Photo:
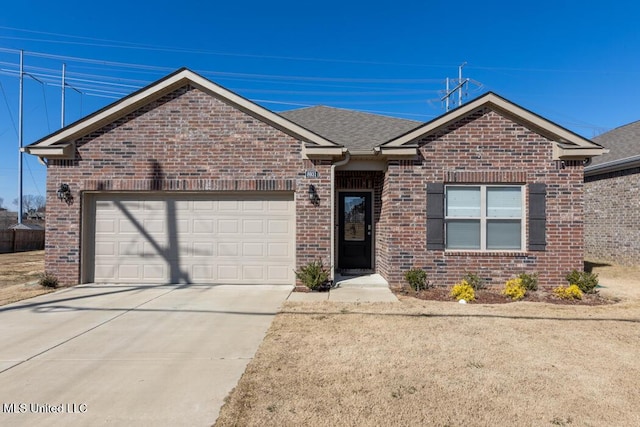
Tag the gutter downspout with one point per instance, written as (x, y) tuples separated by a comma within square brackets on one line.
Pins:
[(333, 210)]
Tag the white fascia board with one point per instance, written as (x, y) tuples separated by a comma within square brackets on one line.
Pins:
[(322, 152), (564, 152), (58, 151), (168, 85), (404, 151)]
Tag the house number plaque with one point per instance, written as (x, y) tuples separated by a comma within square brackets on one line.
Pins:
[(311, 174)]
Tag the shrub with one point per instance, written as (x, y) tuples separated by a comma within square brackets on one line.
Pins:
[(416, 278), (587, 282), (463, 290), (568, 292), (514, 289), (529, 281), (313, 275), (473, 280), (48, 280)]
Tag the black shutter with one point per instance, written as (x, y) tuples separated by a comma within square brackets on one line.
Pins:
[(435, 216), (537, 217)]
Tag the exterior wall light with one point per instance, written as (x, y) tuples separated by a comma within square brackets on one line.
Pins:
[(313, 195), (64, 193)]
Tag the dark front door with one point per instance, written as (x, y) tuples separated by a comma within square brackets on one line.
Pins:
[(354, 230)]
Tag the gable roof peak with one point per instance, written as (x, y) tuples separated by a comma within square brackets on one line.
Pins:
[(50, 145)]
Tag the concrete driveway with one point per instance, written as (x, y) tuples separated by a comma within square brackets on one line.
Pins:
[(129, 355)]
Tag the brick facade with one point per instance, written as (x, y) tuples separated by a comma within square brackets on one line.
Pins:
[(485, 148), (189, 140), (612, 219), (185, 141)]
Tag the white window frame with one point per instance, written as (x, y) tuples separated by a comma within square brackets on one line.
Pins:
[(483, 217)]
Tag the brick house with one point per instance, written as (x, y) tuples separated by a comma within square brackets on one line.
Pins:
[(187, 182), (612, 198)]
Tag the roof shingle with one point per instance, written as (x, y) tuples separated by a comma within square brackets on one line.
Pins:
[(353, 129), (622, 142)]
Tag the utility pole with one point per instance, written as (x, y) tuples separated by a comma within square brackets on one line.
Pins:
[(447, 97), (64, 67), (458, 87), (20, 127), (460, 83)]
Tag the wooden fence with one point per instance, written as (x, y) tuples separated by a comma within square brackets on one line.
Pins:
[(21, 240)]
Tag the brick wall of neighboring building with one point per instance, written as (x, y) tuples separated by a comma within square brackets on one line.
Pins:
[(486, 148), (185, 141), (612, 217)]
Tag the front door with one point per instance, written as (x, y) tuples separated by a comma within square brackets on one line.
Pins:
[(354, 230)]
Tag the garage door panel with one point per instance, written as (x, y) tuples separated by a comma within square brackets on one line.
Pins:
[(203, 226), (278, 273), (106, 249), (253, 226), (155, 272), (235, 238), (279, 226), (203, 249), (152, 226), (149, 250), (226, 206), (130, 272), (126, 249), (105, 226), (228, 249), (253, 249), (229, 273), (279, 250)]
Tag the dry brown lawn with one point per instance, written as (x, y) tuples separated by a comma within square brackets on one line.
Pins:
[(19, 274), (445, 364)]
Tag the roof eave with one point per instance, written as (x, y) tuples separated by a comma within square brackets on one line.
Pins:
[(402, 152), (569, 152), (58, 151), (613, 166)]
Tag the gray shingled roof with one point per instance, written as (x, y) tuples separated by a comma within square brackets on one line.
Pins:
[(622, 142), (352, 129)]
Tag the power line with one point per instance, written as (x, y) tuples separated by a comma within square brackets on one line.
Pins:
[(6, 101)]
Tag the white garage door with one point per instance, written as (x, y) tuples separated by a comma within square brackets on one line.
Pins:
[(169, 238)]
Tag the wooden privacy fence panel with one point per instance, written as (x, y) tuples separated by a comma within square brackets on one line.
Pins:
[(21, 240)]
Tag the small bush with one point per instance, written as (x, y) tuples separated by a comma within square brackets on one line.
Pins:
[(568, 292), (514, 289), (529, 281), (313, 275), (473, 280), (48, 280), (416, 278), (463, 290), (587, 282)]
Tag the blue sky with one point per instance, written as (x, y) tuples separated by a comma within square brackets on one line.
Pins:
[(573, 62)]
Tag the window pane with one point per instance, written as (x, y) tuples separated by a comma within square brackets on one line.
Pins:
[(463, 234), (504, 234), (354, 218), (463, 201), (504, 202)]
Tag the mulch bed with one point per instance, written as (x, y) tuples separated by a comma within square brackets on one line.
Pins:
[(493, 296)]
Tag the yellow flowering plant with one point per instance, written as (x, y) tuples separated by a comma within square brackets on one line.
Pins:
[(568, 292), (514, 289), (463, 290)]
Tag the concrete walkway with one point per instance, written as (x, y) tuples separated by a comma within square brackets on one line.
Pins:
[(129, 355), (366, 288)]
